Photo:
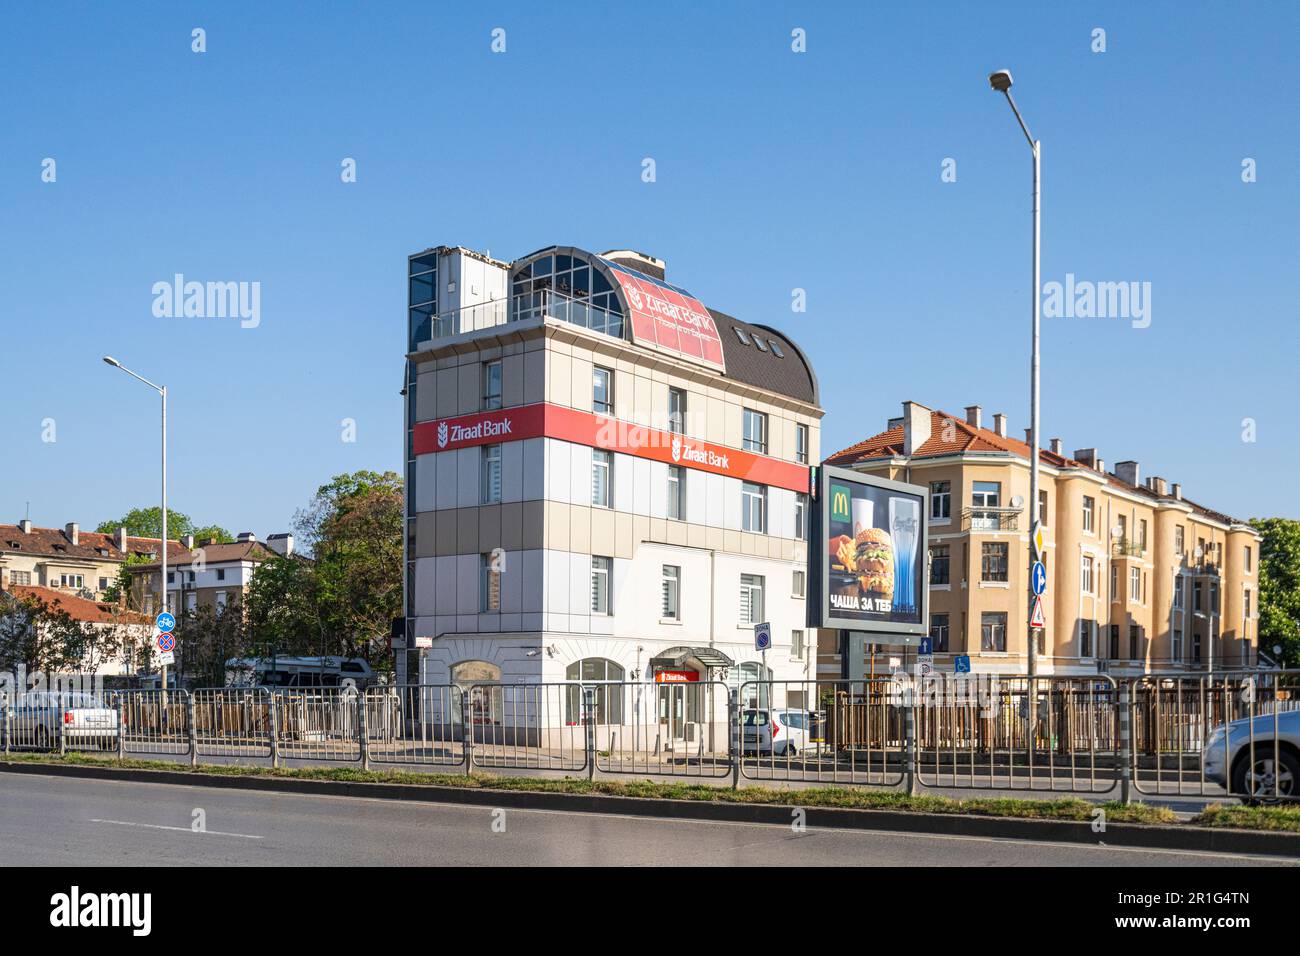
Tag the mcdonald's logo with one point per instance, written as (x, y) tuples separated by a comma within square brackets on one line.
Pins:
[(840, 509)]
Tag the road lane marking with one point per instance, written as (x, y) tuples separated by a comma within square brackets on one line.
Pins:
[(158, 826)]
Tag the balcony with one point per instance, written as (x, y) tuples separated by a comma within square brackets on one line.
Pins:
[(984, 518), (543, 304), (1127, 548)]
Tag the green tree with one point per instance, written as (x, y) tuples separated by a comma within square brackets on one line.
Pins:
[(206, 639), (40, 638), (147, 523), (1279, 586), (282, 610), (353, 528)]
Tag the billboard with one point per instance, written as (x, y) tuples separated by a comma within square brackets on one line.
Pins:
[(868, 556), (668, 319)]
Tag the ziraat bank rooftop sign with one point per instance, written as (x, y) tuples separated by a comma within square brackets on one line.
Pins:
[(543, 419)]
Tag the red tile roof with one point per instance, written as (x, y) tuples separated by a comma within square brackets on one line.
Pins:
[(91, 545), (953, 435), (213, 554), (81, 609), (949, 435)]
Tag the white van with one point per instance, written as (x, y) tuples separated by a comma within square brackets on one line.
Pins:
[(299, 672)]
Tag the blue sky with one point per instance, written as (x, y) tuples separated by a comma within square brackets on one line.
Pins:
[(775, 171)]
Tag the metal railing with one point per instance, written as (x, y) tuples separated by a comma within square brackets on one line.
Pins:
[(1157, 734), (540, 304), (990, 519)]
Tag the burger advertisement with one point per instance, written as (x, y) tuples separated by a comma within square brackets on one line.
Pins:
[(870, 573)]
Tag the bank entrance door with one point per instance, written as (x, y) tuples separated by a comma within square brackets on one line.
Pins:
[(678, 707)]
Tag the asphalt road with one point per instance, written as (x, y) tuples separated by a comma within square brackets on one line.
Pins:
[(77, 822)]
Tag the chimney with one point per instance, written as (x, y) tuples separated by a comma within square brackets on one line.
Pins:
[(246, 537), (1128, 471), (973, 415), (25, 526), (1000, 424), (121, 539), (1086, 456), (1056, 446), (916, 427), (1029, 433), (1178, 491), (1157, 485), (73, 533), (894, 423), (281, 544), (187, 542)]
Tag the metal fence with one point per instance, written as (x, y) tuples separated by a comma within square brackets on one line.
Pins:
[(1159, 734)]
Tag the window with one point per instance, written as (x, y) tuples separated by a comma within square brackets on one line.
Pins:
[(1176, 647), (600, 596), (103, 584), (222, 600), (670, 607), (1121, 523), (1088, 505), (491, 478), (993, 561), (75, 580), (993, 631), (751, 599), (939, 633), (939, 564), (800, 515), (985, 495), (755, 432), (1087, 631), (1178, 540), (489, 582), (602, 391), (676, 493), (677, 411), (221, 574), (1042, 508), (1246, 559), (753, 507), (1196, 597), (20, 577), (1114, 582), (1178, 592), (801, 444), (796, 645), (1114, 642), (1135, 585), (940, 500), (1214, 597), (608, 700), (602, 468), (1134, 641), (1085, 574), (799, 585), (1142, 534), (492, 384)]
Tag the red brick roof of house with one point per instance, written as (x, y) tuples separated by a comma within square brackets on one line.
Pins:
[(91, 545), (80, 609), (953, 435), (213, 554)]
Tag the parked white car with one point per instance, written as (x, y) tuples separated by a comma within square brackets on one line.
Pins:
[(779, 730), (1256, 759), (38, 716)]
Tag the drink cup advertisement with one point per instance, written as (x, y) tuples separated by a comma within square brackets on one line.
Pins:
[(872, 536)]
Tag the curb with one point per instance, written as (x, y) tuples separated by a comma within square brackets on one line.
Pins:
[(1128, 835)]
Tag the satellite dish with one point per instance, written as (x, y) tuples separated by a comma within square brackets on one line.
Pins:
[(1117, 531), (1018, 502), (1200, 553)]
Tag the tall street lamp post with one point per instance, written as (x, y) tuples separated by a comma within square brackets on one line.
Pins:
[(1001, 83), (162, 549)]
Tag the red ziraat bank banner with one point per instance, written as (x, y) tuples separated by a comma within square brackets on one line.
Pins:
[(668, 319), (584, 428)]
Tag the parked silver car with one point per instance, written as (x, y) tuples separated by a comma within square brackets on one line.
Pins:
[(1256, 759), (36, 718)]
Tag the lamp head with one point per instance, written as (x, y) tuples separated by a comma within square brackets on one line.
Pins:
[(1000, 81), (109, 360)]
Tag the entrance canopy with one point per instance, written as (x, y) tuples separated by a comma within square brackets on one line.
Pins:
[(675, 658)]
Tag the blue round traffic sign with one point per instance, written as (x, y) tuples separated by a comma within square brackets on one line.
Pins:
[(165, 622), (1039, 578)]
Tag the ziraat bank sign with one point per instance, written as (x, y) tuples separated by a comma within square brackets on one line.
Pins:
[(598, 431)]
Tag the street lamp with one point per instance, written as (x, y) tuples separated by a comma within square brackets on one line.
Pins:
[(1000, 81), (161, 390)]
